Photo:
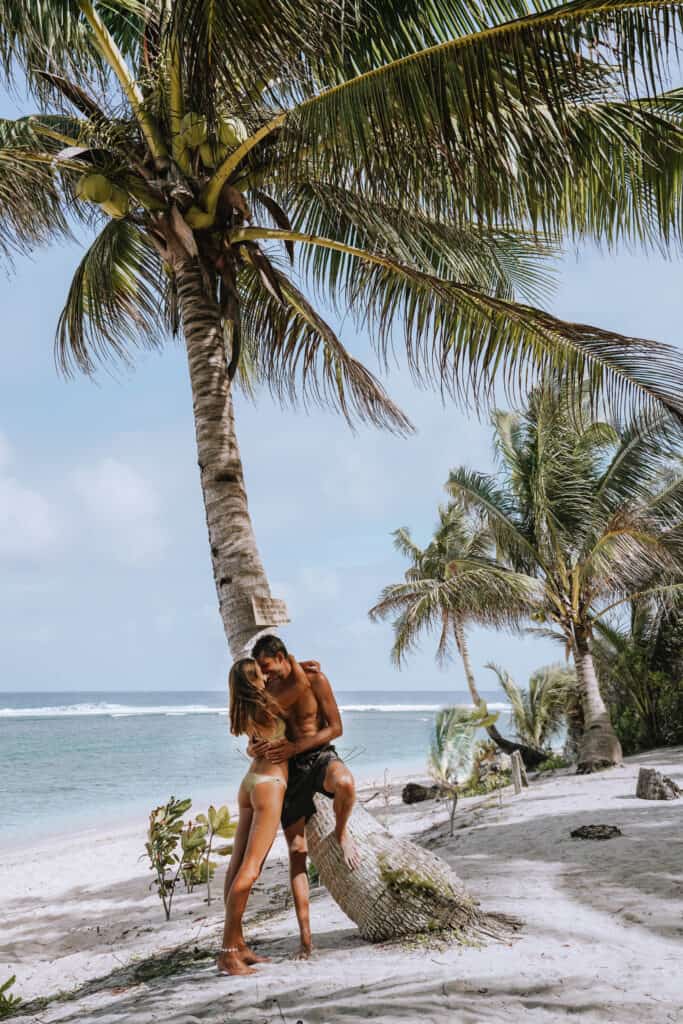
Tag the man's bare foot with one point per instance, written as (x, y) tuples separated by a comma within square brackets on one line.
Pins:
[(349, 850), (232, 963), (250, 957)]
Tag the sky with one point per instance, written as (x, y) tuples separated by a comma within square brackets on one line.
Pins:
[(105, 576)]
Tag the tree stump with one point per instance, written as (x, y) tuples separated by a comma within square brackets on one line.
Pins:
[(519, 776), (414, 793), (399, 888), (652, 785)]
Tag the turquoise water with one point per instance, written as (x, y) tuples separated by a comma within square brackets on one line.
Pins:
[(73, 760)]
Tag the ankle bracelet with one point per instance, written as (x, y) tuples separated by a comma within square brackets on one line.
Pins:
[(230, 949)]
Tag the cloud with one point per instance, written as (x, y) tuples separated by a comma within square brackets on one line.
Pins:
[(28, 524), (125, 508)]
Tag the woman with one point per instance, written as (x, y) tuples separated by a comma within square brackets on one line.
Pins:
[(255, 713)]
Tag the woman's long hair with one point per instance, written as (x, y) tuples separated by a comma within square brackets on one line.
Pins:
[(249, 705)]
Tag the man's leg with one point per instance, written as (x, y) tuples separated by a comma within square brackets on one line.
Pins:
[(298, 875), (340, 783)]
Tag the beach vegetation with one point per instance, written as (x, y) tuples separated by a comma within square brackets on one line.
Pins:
[(490, 770), (218, 825), (193, 867), (590, 512), (163, 837), (553, 763), (9, 1003), (538, 712), (640, 665), (420, 161), (452, 752), (179, 849)]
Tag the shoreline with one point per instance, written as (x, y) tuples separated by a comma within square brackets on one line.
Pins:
[(133, 821), (601, 932)]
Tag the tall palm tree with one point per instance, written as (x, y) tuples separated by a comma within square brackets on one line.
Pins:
[(416, 154), (590, 512), (451, 582)]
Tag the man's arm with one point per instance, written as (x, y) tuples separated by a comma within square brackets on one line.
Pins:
[(327, 703)]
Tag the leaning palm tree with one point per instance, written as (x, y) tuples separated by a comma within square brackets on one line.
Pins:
[(590, 512), (416, 155), (452, 582), (538, 711)]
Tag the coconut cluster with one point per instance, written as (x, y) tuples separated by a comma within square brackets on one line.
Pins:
[(213, 148)]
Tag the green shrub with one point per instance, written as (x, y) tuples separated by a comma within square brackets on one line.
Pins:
[(552, 763), (8, 1002)]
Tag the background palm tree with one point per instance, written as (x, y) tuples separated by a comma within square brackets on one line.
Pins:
[(416, 154), (453, 581), (593, 514), (538, 711)]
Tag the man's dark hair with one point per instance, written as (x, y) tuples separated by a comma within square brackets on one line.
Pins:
[(268, 647)]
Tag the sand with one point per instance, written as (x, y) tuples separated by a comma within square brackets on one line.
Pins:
[(601, 938)]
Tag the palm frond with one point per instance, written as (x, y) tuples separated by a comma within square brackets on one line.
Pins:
[(507, 263), (481, 492), (33, 199), (466, 340), (453, 742), (296, 351), (538, 711), (496, 99), (114, 299)]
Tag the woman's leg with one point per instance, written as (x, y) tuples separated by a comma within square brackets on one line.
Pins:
[(266, 801), (239, 845)]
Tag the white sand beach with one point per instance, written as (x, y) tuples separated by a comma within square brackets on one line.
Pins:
[(602, 935)]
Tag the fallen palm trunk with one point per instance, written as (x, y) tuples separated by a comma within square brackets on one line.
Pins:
[(399, 888)]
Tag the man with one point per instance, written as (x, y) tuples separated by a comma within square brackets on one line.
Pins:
[(313, 722)]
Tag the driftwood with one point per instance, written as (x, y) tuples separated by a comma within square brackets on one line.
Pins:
[(652, 785), (414, 793), (399, 888), (530, 756)]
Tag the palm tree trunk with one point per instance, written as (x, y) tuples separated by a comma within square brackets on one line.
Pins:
[(244, 598), (531, 757), (399, 888), (599, 746), (464, 652)]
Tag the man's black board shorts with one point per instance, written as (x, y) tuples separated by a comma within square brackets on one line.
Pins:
[(306, 777)]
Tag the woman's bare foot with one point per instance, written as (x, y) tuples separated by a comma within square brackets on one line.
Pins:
[(349, 850), (232, 963), (250, 957), (305, 951)]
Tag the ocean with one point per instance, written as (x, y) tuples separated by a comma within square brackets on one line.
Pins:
[(78, 760)]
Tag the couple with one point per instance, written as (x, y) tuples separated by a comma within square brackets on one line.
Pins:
[(290, 714)]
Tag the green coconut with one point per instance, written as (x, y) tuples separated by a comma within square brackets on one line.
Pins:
[(95, 187), (232, 132), (212, 153), (118, 204), (193, 129)]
